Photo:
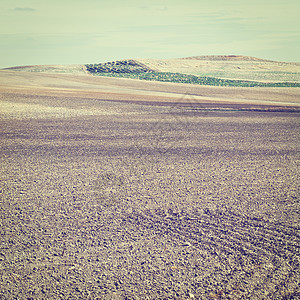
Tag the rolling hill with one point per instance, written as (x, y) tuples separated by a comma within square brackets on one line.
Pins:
[(229, 67), (230, 70), (117, 188), (223, 70)]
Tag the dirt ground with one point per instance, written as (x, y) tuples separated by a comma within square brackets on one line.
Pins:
[(134, 200)]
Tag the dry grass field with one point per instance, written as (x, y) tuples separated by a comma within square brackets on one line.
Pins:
[(229, 67), (122, 189)]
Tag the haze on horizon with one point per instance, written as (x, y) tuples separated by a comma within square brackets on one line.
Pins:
[(77, 32)]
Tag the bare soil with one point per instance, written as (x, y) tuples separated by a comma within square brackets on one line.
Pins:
[(107, 195), (104, 88)]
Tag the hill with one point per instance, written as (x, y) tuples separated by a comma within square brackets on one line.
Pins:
[(215, 70), (229, 67), (230, 70), (64, 69)]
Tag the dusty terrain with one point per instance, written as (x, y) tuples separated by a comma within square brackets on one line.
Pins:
[(122, 189), (103, 88)]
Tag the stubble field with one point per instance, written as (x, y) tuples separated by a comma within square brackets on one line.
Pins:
[(123, 200)]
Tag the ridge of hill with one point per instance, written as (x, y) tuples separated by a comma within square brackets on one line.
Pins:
[(205, 70), (65, 69), (226, 58), (224, 70), (229, 67), (234, 58)]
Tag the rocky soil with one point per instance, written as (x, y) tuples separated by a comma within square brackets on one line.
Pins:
[(148, 202)]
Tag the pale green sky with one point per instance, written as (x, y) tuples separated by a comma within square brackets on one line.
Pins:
[(91, 31)]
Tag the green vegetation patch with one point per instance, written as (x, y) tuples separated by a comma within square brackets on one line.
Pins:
[(118, 67), (134, 70)]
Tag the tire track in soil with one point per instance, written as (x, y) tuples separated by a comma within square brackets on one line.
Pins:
[(252, 242)]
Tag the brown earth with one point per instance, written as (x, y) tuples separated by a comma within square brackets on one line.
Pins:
[(105, 88), (107, 195)]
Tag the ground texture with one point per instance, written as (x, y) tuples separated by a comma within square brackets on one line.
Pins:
[(123, 200)]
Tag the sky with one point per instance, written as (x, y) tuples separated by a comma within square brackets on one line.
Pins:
[(36, 32)]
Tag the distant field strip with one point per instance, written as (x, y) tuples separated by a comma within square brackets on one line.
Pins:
[(11, 109), (135, 70)]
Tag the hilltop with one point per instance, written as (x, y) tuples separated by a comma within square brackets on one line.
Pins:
[(64, 69), (229, 67), (215, 70), (242, 71)]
